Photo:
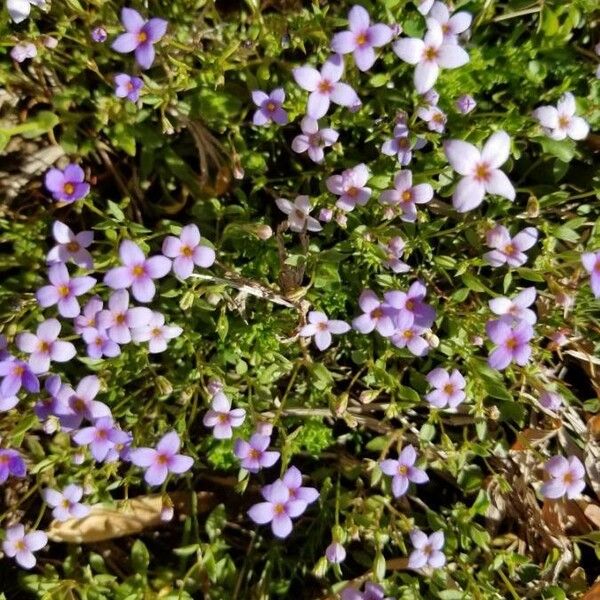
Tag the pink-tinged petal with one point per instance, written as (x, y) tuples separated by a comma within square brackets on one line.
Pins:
[(318, 105), (155, 29), (25, 558), (358, 19), (308, 330), (74, 173), (437, 559), (138, 316), (399, 486), (130, 253), (79, 511), (555, 488), (46, 296), (547, 116), (169, 443), (499, 184), (222, 431), (434, 36), (335, 184), (437, 398), (422, 193), (295, 508), (221, 402), (183, 266), (418, 538), (54, 180), (307, 78), (457, 379), (379, 35), (500, 306), (338, 327), (180, 463), (143, 289), (119, 278), (496, 150), (343, 42), (451, 56), (204, 256), (522, 354), (158, 266), (323, 339), (417, 475), (525, 297), (156, 474), (144, 55), (39, 363), (557, 466), (62, 351), (438, 377), (439, 11), (424, 6), (500, 358), (389, 147), (333, 68), (497, 237), (436, 540), (410, 50), (360, 175), (566, 105), (82, 285), (259, 97), (171, 246), (389, 466), (576, 467), (364, 59), (495, 258), (143, 457), (462, 156), (407, 456), (269, 458), (574, 489), (62, 233), (418, 346), (190, 235), (48, 330), (126, 42), (417, 559), (329, 136), (525, 239), (300, 143), (460, 22), (578, 129), (385, 326), (58, 274), (132, 20), (363, 324), (281, 525), (468, 194), (595, 283), (69, 307), (52, 497), (284, 205), (262, 513)]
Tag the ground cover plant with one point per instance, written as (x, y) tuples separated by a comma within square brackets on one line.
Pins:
[(299, 299)]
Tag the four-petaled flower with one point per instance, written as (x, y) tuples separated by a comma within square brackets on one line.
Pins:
[(298, 214), (393, 251), (401, 144), (269, 107), (516, 309), (312, 140), (403, 471), (16, 373), (156, 333), (405, 196), (321, 327), (350, 186), (254, 454), (71, 246), (560, 122), (66, 504), (67, 185), (375, 315), (222, 418), (119, 319), (128, 86), (506, 249), (78, 404), (63, 290), (434, 117), (428, 550), (101, 437), (512, 343), (11, 463), (452, 26), (449, 388), (44, 346), (187, 251), (567, 477), (21, 546)]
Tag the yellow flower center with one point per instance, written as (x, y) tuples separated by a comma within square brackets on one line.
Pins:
[(430, 53), (448, 388), (271, 106), (73, 246), (186, 251), (361, 39), (406, 196), (142, 37), (325, 87), (68, 188), (138, 270), (63, 290), (482, 172)]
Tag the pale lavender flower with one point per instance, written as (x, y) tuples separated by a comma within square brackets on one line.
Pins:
[(11, 464), (567, 477), (465, 104), (561, 122), (52, 404), (71, 246), (312, 140), (66, 504), (44, 346), (163, 460), (156, 333), (517, 308), (405, 196), (321, 327), (87, 318), (269, 107), (21, 52), (99, 34), (7, 402), (120, 451), (187, 251), (325, 86), (394, 250), (21, 546), (19, 10), (551, 400), (591, 263), (452, 26), (128, 86), (335, 553), (401, 145), (99, 344), (325, 215), (512, 343), (403, 471), (49, 42), (480, 170), (254, 454), (101, 437), (63, 290), (424, 6), (264, 428), (67, 185), (292, 479), (375, 315), (278, 509), (407, 334), (412, 302), (428, 550), (222, 418), (79, 404), (449, 388), (434, 117), (509, 250), (118, 320), (350, 186), (137, 272), (429, 55), (140, 36), (361, 39), (299, 214), (17, 374), (431, 97)]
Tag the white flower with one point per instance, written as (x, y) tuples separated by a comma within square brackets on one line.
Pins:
[(560, 122)]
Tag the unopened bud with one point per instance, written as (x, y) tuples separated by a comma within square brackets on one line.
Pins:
[(163, 385), (335, 553), (264, 232)]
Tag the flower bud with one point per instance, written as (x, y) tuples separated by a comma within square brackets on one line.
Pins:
[(264, 428), (99, 34), (325, 215), (335, 553), (163, 385), (465, 104), (214, 386), (264, 232)]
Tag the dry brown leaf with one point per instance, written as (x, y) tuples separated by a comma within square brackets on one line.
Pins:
[(592, 512), (530, 437), (563, 516), (593, 593)]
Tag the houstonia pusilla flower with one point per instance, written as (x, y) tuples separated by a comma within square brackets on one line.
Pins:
[(551, 400), (71, 246), (424, 6), (298, 214), (187, 251), (101, 437), (88, 315), (156, 333), (402, 471), (137, 272), (99, 344), (465, 104), (567, 477), (362, 38), (140, 36), (449, 388), (321, 327), (393, 251), (253, 454), (371, 591), (16, 374), (509, 250), (512, 343), (409, 334), (401, 144), (21, 546), (434, 117), (19, 9), (561, 122), (67, 185), (222, 418), (427, 550), (21, 52), (516, 309), (163, 460), (480, 170), (452, 26), (80, 403), (325, 86), (405, 196), (351, 188), (11, 464), (44, 346), (99, 34), (119, 319), (312, 140), (335, 553), (128, 86), (591, 263), (278, 509), (269, 107), (63, 290), (66, 504), (292, 479), (413, 303), (375, 315), (429, 55)]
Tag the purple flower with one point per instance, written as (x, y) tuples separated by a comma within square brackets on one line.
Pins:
[(66, 504), (53, 403), (21, 546), (44, 346), (99, 34), (67, 185), (405, 196), (19, 9), (512, 343), (292, 479), (428, 550), (88, 316), (8, 402), (299, 214), (71, 246), (394, 249), (449, 388), (21, 52), (350, 186), (452, 26), (137, 272), (156, 333), (335, 553), (551, 401), (99, 344), (408, 334), (17, 374), (361, 38), (269, 107), (11, 463), (480, 170), (312, 139), (254, 455), (321, 327), (566, 477), (325, 86), (591, 263), (128, 86), (118, 319), (560, 122), (516, 309), (403, 471), (401, 145), (375, 315), (101, 437), (79, 404), (430, 54), (424, 6), (187, 251), (434, 117), (140, 36), (222, 418), (465, 104), (279, 509), (63, 290), (506, 249), (412, 302), (162, 461)]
